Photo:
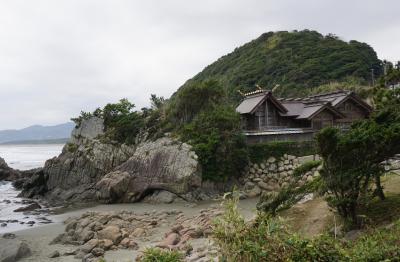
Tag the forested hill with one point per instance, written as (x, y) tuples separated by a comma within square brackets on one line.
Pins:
[(294, 60)]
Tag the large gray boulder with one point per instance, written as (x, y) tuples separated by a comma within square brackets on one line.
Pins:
[(12, 250), (164, 164), (84, 160)]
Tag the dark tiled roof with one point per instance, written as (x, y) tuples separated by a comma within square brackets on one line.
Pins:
[(300, 108), (250, 103)]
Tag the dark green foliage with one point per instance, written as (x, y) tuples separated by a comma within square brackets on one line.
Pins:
[(121, 123), (295, 60), (193, 99), (319, 249), (260, 152), (155, 123), (352, 163), (392, 76), (201, 116), (216, 138), (160, 255)]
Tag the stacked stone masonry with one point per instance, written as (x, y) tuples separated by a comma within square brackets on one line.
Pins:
[(273, 174)]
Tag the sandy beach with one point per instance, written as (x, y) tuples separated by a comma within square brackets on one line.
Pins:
[(38, 238)]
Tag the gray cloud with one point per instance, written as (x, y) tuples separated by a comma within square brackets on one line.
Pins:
[(60, 57)]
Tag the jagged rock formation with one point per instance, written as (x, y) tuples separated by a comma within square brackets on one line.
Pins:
[(164, 164), (7, 173), (90, 169), (83, 161)]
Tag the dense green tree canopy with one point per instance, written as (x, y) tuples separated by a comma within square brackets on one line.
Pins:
[(296, 61)]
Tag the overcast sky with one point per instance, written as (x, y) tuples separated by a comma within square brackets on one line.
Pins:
[(58, 57)]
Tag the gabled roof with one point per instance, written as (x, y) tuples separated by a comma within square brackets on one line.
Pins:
[(340, 96), (313, 109), (301, 108), (253, 100)]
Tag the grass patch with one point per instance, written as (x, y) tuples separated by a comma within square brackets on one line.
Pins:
[(160, 255), (380, 212)]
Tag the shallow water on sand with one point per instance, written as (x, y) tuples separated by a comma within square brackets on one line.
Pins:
[(22, 157)]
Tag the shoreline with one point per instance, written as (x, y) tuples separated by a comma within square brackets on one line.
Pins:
[(39, 237)]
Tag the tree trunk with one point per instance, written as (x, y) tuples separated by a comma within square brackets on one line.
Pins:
[(379, 188)]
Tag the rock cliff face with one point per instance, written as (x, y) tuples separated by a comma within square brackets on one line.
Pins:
[(89, 169), (164, 164), (83, 161)]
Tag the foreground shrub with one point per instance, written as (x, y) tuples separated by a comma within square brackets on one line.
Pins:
[(262, 240), (268, 239), (322, 248), (160, 255), (378, 245)]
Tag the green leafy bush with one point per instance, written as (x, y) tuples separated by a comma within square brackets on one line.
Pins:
[(320, 249), (160, 255), (260, 152), (217, 140)]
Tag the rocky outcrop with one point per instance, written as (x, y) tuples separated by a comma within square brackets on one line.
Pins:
[(7, 173), (94, 233), (91, 168), (165, 164), (83, 162), (110, 230), (12, 250)]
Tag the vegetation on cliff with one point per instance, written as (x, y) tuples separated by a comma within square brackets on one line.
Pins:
[(203, 118)]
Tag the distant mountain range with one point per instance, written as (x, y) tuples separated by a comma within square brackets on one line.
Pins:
[(37, 133)]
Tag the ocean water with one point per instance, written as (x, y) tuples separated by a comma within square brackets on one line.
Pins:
[(26, 157), (22, 157)]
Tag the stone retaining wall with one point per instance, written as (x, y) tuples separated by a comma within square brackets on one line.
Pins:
[(274, 174)]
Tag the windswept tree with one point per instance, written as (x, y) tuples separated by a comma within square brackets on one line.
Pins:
[(352, 162)]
